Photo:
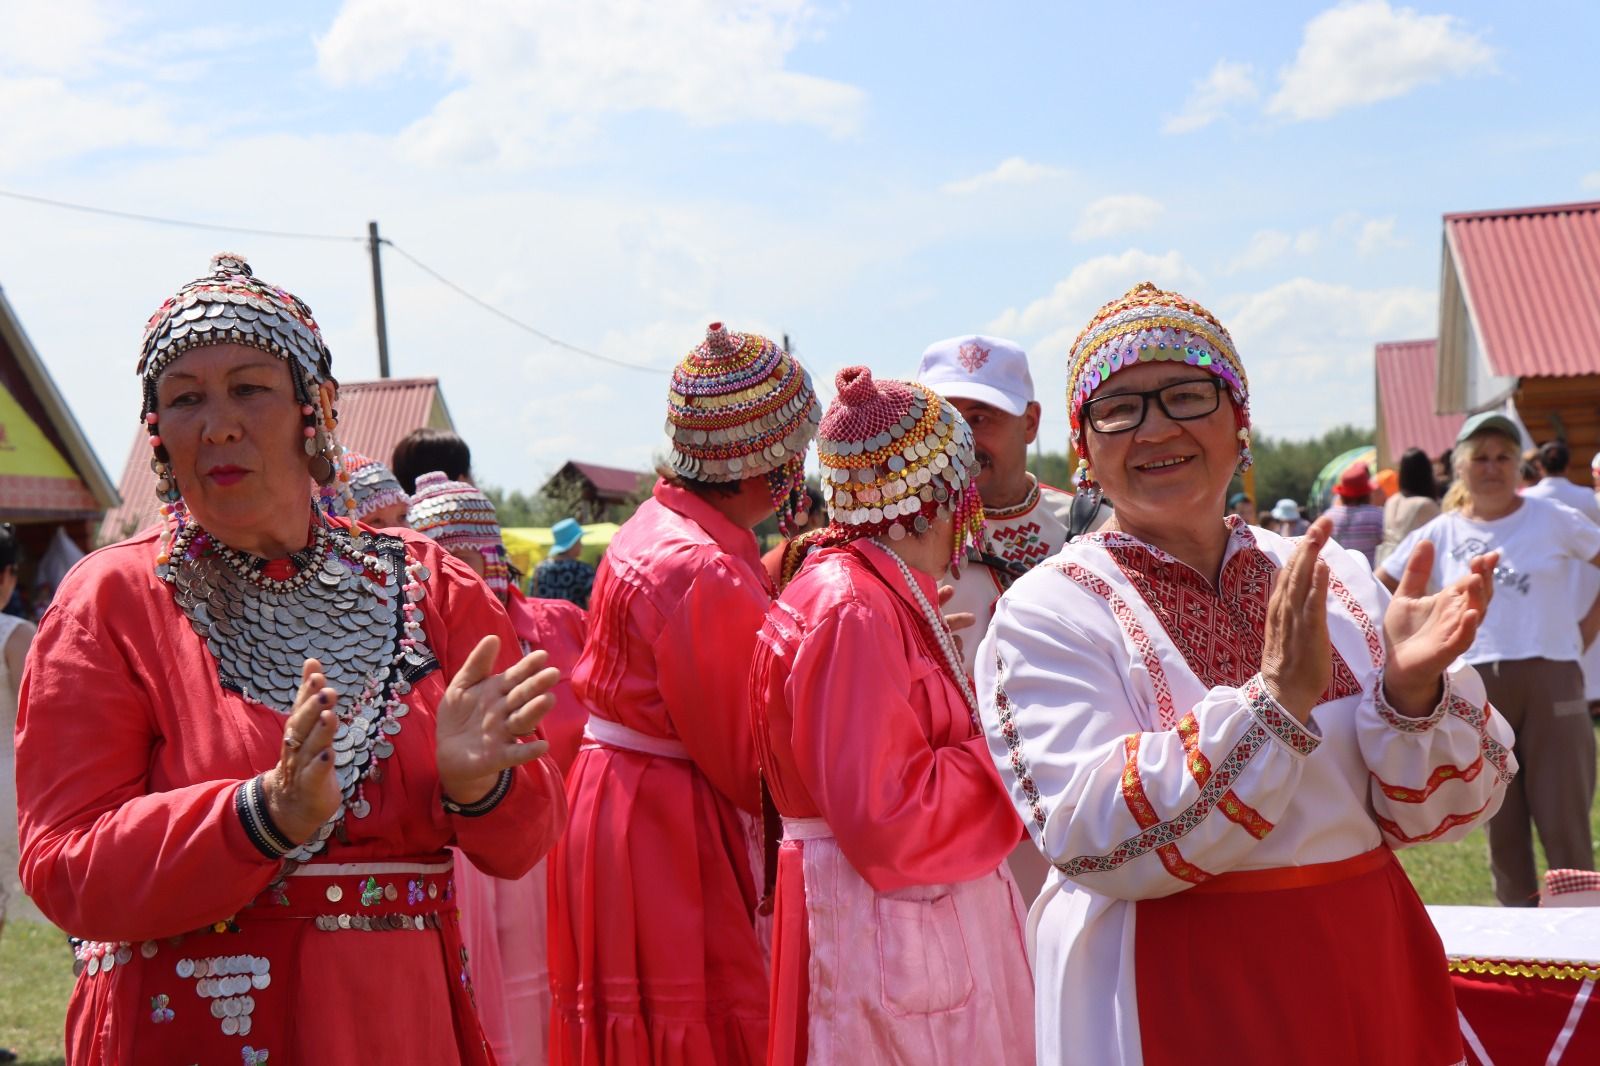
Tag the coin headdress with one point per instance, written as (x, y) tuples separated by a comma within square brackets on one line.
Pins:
[(896, 457), (459, 515), (1143, 325), (230, 305), (739, 406), (373, 485)]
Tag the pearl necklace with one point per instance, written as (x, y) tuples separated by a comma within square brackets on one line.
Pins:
[(947, 642)]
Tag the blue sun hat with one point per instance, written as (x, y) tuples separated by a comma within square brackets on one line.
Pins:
[(567, 532)]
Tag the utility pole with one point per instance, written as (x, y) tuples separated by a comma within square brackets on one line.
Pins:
[(373, 241)]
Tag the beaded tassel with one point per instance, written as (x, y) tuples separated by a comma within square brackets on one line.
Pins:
[(787, 485)]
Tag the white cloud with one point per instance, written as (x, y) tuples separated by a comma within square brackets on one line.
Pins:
[(1091, 283), (1591, 181), (1266, 246), (48, 119), (1112, 216), (1311, 338), (535, 74), (1363, 52), (64, 37), (1013, 171), (1378, 235), (1228, 85)]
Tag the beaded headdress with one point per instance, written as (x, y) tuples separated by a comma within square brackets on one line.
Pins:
[(230, 305), (740, 406), (458, 515), (372, 485), (895, 459), (1147, 324)]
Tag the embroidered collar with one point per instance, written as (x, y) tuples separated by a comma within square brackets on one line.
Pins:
[(1220, 631), (1240, 538), (1029, 502)]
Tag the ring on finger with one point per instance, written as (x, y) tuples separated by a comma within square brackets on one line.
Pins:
[(291, 742)]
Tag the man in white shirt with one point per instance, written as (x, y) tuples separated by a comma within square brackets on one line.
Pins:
[(1025, 521), (1554, 458)]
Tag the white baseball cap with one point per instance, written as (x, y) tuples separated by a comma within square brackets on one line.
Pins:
[(990, 370)]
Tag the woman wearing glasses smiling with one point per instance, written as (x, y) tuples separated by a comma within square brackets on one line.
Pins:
[(1216, 735)]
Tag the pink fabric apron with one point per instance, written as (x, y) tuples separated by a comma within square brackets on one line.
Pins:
[(503, 930), (922, 975)]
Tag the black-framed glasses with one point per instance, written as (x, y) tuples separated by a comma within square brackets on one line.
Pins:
[(1181, 401)]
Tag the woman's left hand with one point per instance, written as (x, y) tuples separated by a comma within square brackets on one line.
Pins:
[(483, 717), (1425, 634)]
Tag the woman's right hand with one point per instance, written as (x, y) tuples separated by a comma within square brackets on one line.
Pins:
[(302, 791), (1297, 658)]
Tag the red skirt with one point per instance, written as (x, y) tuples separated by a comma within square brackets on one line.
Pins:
[(1320, 965)]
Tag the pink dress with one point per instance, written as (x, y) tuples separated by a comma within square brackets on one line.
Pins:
[(503, 922), (898, 936), (654, 953)]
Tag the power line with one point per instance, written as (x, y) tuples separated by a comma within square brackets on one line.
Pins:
[(158, 220), (292, 235), (541, 334)]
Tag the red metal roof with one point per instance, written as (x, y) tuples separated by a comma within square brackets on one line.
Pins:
[(1406, 372), (1532, 279), (610, 480), (373, 416)]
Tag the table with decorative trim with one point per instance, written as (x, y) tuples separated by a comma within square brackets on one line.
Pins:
[(1524, 981)]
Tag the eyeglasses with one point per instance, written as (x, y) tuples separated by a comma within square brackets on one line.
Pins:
[(1181, 401)]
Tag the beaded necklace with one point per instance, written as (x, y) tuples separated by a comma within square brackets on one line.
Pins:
[(941, 632), (357, 610)]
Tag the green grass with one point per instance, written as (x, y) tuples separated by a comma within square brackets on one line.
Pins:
[(35, 980)]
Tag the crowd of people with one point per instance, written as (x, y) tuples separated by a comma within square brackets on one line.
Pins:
[(968, 769)]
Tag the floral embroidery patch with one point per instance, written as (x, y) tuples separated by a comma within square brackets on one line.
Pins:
[(973, 355)]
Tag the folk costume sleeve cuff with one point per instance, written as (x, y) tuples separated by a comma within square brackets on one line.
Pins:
[(1302, 740), (1403, 724)]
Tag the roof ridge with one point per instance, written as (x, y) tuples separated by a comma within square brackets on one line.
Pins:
[(1518, 212)]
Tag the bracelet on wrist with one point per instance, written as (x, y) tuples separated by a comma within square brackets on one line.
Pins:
[(483, 806), (250, 804)]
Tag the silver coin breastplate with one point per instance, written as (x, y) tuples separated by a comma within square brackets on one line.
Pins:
[(261, 636)]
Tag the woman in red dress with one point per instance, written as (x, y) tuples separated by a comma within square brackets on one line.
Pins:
[(248, 739), (655, 955)]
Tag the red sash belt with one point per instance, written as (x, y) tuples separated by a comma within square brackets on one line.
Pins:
[(1282, 877)]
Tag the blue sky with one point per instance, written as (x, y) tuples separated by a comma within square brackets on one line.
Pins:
[(866, 177)]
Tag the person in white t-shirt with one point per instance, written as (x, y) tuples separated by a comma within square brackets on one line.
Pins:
[(1554, 458), (1527, 648)]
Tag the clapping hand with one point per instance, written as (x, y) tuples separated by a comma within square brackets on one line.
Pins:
[(484, 717), (1425, 634), (302, 791), (1296, 657)]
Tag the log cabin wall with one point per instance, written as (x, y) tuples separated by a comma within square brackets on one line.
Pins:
[(1567, 408)]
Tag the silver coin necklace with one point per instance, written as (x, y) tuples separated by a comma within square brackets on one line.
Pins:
[(357, 610)]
